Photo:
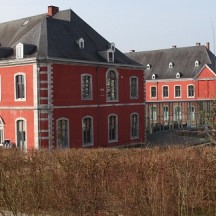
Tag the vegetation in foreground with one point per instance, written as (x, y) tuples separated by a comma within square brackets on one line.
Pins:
[(160, 181)]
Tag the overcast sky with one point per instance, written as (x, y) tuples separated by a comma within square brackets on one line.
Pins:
[(133, 24)]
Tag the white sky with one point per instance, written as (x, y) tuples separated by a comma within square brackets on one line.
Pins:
[(133, 24)]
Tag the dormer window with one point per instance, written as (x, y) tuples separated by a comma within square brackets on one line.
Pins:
[(178, 75), (19, 51), (171, 65), (108, 55), (81, 43), (197, 63), (154, 76), (112, 46), (148, 66)]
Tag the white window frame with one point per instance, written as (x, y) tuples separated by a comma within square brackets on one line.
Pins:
[(153, 76), (153, 113), (116, 126), (178, 75), (81, 43), (15, 85), (91, 132), (137, 128), (177, 115), (188, 91), (148, 66), (25, 130), (171, 65), (68, 133), (137, 88), (155, 91), (175, 91), (163, 91), (19, 51), (109, 98), (110, 52), (197, 63), (2, 129), (90, 87)]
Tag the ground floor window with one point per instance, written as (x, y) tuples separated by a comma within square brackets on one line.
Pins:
[(112, 128), (177, 113), (134, 125), (62, 133), (87, 131), (21, 134)]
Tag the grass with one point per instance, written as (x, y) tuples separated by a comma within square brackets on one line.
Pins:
[(167, 181)]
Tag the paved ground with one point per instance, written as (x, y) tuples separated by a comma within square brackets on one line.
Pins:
[(171, 138)]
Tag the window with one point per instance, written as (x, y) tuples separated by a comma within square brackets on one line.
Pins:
[(153, 91), (1, 131), (62, 133), (112, 85), (112, 46), (81, 43), (166, 113), (177, 91), (110, 56), (197, 63), (153, 113), (191, 91), (134, 125), (154, 76), (177, 113), (87, 131), (171, 65), (19, 87), (134, 87), (19, 51), (86, 91), (178, 75), (21, 134), (165, 91), (191, 113), (148, 66), (112, 128)]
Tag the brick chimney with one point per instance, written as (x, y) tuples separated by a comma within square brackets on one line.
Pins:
[(52, 10), (208, 45)]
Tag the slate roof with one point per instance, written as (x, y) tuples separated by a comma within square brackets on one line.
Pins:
[(55, 37), (183, 59)]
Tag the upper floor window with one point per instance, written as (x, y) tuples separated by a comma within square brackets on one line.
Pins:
[(111, 85), (153, 91), (191, 92), (177, 91), (165, 91), (86, 85), (19, 51), (113, 128), (81, 43), (134, 87), (20, 87), (171, 65), (148, 66), (87, 131), (134, 125), (197, 63), (62, 133)]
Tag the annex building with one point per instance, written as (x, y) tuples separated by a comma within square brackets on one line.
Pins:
[(63, 85), (180, 86)]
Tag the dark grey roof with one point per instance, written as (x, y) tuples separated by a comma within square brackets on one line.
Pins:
[(183, 59), (56, 37)]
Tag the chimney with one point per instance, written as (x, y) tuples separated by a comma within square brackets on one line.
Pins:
[(174, 46), (52, 10), (132, 50), (197, 44), (208, 45)]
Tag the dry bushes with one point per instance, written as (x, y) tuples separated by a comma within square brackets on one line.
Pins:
[(169, 181)]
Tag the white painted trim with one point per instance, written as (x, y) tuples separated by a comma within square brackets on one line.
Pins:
[(188, 91), (163, 91), (151, 91), (26, 132)]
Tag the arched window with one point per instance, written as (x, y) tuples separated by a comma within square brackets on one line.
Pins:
[(134, 122), (112, 128), (87, 131), (20, 86), (62, 133), (21, 134), (112, 85)]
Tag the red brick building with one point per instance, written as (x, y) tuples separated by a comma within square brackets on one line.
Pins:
[(180, 86), (63, 85)]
